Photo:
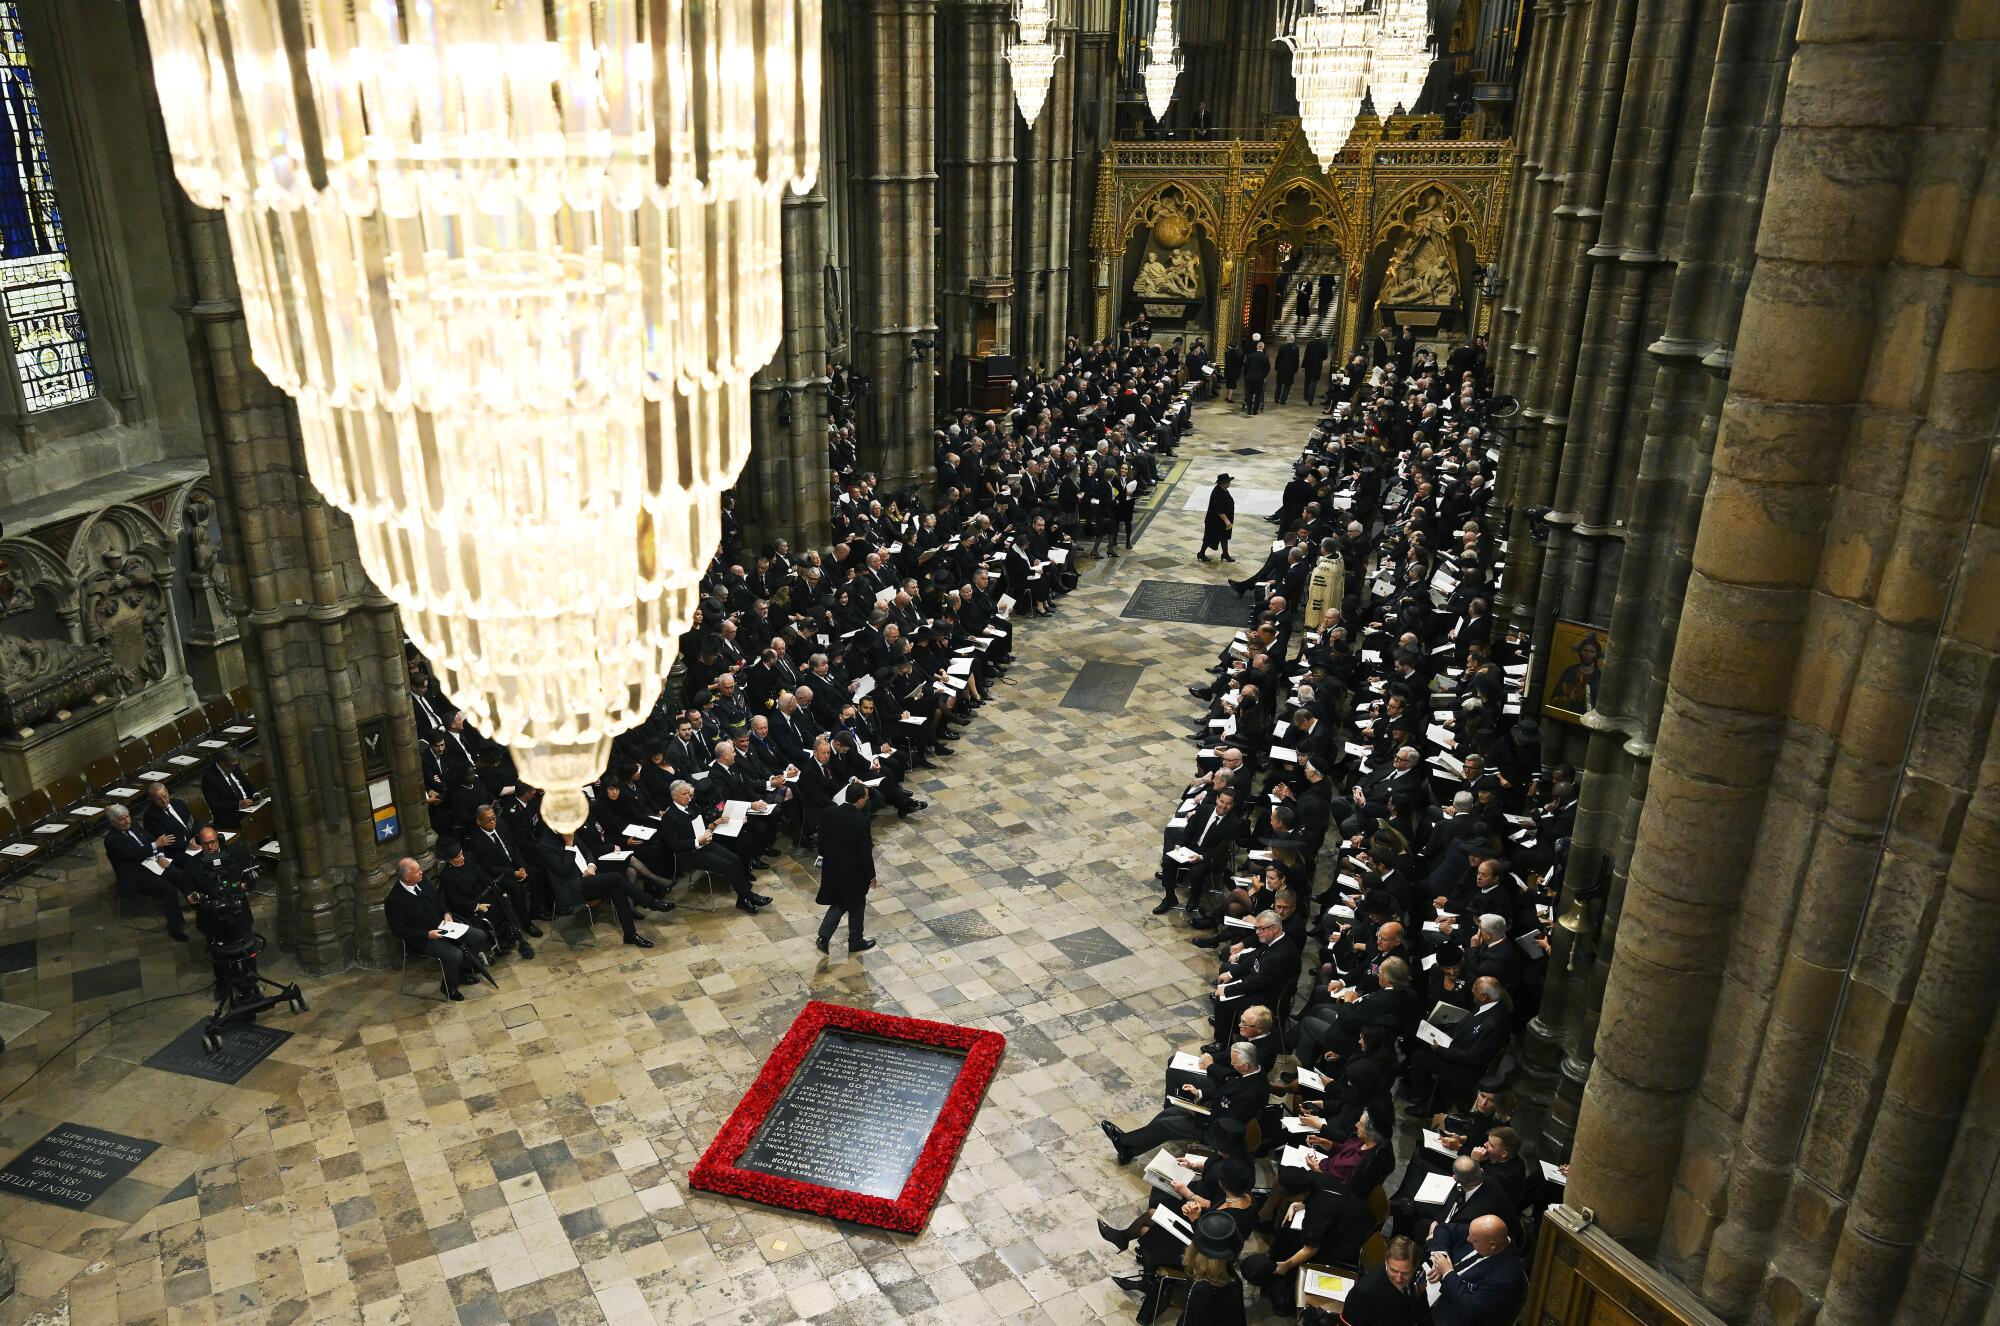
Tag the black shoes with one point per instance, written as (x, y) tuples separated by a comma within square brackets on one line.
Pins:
[(637, 940), (1117, 1136), (1199, 557), (1164, 907), (820, 943), (178, 934), (745, 905), (760, 900), (1227, 558), (1132, 1284), (1207, 941), (912, 808), (1120, 1239), (450, 993), (525, 949), (531, 930), (862, 947)]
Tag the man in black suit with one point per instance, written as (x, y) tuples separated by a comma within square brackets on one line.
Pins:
[(1256, 368), (819, 782), (228, 790), (1262, 972), (141, 866), (847, 867), (1388, 1294), (416, 915), (1313, 365), (1473, 1194), (1211, 833), (1235, 1093), (1287, 368), (169, 822), (1455, 1068), (694, 848), (1480, 1279), (493, 849), (574, 879)]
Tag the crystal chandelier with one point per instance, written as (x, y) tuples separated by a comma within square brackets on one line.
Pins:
[(516, 263), (1401, 63), (1031, 59), (1330, 45), (1163, 62)]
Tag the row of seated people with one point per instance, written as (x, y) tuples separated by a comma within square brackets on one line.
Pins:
[(1365, 757), (152, 854), (802, 674)]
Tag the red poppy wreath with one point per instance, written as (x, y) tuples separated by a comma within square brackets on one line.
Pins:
[(853, 1120)]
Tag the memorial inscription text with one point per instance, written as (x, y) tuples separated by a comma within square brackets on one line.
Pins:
[(855, 1114)]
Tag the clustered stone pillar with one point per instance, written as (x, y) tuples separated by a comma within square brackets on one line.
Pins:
[(894, 190), (782, 492), (325, 649), (1791, 1103), (977, 244), (1044, 212), (1624, 258)]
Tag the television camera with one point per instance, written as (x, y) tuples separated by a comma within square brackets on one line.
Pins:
[(221, 881)]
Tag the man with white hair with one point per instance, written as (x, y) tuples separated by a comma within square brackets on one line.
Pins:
[(140, 867), (1234, 1093)]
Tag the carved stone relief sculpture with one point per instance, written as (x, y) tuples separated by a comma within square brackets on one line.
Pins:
[(126, 604)]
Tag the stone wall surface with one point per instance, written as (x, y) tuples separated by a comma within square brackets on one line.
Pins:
[(1752, 319)]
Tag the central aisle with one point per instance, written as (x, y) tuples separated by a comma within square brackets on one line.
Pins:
[(521, 1157)]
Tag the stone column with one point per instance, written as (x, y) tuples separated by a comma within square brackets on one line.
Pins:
[(1045, 213), (976, 160), (323, 647), (1773, 1094), (893, 190), (783, 490)]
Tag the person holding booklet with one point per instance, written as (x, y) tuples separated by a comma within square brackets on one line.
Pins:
[(416, 915), (1186, 1193), (1216, 1112)]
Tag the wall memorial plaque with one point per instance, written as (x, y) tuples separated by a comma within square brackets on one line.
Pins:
[(857, 1115), (72, 1165)]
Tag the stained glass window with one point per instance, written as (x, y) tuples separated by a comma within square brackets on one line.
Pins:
[(37, 291)]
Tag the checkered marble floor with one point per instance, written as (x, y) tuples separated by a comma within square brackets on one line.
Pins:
[(521, 1157)]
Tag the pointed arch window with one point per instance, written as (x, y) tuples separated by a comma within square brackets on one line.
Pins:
[(38, 299)]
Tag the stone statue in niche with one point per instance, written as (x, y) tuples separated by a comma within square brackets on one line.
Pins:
[(126, 607), (1423, 269), (210, 619), (1157, 280)]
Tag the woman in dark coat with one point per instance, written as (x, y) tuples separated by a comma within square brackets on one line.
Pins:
[(1215, 528), (847, 867)]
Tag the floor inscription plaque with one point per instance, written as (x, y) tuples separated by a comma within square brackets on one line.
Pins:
[(856, 1113)]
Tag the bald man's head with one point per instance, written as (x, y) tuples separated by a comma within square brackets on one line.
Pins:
[(1487, 1235)]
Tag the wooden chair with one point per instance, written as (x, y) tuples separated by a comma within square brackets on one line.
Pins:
[(218, 713), (67, 791), (132, 757), (101, 773), (189, 728), (160, 742), (241, 700)]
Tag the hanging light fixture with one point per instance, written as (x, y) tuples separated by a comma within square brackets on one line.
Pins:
[(1401, 62), (1163, 62), (1330, 45), (516, 264), (1031, 58)]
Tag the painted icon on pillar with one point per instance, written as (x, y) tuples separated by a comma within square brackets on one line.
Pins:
[(1577, 651)]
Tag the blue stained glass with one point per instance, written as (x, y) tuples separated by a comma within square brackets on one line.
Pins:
[(37, 289)]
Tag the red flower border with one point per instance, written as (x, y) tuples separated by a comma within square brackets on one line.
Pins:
[(716, 1170)]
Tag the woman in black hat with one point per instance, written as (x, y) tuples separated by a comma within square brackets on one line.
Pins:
[(1220, 520), (1220, 1199), (1215, 1295)]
